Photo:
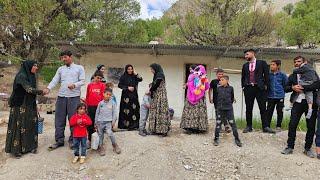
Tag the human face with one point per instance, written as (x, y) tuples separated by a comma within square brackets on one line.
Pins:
[(249, 56), (298, 62), (34, 68), (152, 70), (66, 59), (103, 69), (82, 110), (219, 75), (130, 70), (223, 82), (107, 96), (274, 67), (97, 79)]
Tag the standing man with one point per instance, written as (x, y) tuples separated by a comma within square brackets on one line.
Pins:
[(213, 95), (300, 106), (71, 77), (255, 82)]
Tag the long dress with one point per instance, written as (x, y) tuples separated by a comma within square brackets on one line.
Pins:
[(159, 118), (22, 132), (129, 113)]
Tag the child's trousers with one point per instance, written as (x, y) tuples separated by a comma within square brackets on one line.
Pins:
[(226, 115), (105, 126)]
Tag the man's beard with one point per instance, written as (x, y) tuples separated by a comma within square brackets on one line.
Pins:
[(248, 59)]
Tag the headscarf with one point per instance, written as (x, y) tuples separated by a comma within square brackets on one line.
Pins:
[(128, 79), (158, 72), (99, 66), (197, 84), (23, 75)]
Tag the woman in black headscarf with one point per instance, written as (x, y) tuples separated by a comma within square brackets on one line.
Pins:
[(22, 132), (159, 118), (129, 113), (100, 68)]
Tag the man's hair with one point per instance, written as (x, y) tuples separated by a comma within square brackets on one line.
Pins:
[(98, 73), (300, 57), (277, 62), (66, 53), (226, 77), (219, 70), (250, 50), (108, 90)]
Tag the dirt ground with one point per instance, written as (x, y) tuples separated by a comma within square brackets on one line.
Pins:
[(178, 156)]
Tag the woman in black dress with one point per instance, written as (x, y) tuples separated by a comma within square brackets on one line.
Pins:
[(22, 132), (129, 113)]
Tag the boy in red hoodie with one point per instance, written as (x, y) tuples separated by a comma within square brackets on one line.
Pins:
[(94, 95), (80, 121)]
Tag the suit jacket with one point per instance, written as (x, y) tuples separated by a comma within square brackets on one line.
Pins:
[(261, 73)]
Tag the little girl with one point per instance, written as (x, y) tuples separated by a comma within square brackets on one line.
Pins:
[(80, 121)]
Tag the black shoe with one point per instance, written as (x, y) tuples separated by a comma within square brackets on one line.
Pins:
[(268, 130), (247, 129), (287, 151), (18, 155), (141, 133), (216, 142), (318, 156), (309, 153), (238, 142)]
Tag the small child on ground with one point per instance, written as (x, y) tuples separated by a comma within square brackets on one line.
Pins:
[(307, 77), (225, 100), (144, 113), (80, 121), (105, 121)]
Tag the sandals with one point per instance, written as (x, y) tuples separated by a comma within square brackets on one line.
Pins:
[(55, 146)]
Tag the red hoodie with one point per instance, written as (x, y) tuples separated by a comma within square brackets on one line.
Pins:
[(95, 93), (80, 130)]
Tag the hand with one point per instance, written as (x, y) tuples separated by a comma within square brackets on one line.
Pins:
[(82, 100), (297, 88), (72, 86), (134, 73), (95, 127), (79, 121), (113, 124), (131, 88), (46, 91)]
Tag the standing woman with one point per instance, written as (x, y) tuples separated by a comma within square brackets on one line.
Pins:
[(159, 118), (129, 113), (100, 69), (194, 117), (22, 132)]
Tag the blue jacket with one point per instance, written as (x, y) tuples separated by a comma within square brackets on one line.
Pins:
[(277, 84)]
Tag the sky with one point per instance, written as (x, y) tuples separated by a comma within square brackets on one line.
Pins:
[(154, 8)]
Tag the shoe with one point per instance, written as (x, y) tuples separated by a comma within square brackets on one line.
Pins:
[(34, 151), (142, 133), (278, 129), (247, 129), (309, 153), (18, 156), (82, 158), (318, 156), (116, 148), (287, 151), (268, 130), (216, 142), (102, 151), (238, 142), (146, 132), (75, 159)]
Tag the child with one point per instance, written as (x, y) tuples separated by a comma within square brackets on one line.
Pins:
[(144, 112), (111, 85), (307, 77), (80, 122), (225, 98), (276, 92), (94, 96), (105, 120)]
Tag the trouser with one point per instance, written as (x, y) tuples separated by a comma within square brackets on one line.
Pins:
[(65, 107), (296, 112), (143, 120), (228, 116), (103, 127), (317, 140), (251, 93), (279, 104), (92, 115), (80, 144), (225, 122)]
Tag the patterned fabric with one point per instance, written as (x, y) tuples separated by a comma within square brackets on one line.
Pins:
[(129, 113), (195, 117), (159, 119)]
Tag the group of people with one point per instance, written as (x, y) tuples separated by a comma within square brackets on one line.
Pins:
[(98, 111)]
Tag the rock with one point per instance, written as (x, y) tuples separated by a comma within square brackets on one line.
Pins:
[(187, 167)]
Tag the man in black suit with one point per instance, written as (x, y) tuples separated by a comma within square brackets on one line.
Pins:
[(300, 106), (255, 82)]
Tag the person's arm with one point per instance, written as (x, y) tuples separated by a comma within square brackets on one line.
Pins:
[(139, 78), (103, 88), (155, 85), (210, 95), (232, 95), (301, 70), (289, 84), (97, 113), (55, 80), (87, 121), (27, 87), (243, 76), (121, 84), (88, 91), (82, 78), (314, 86), (73, 121), (266, 74), (114, 113)]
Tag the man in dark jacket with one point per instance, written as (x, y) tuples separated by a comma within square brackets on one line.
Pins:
[(255, 82), (300, 106)]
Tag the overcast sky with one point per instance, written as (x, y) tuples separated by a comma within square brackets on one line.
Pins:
[(154, 8)]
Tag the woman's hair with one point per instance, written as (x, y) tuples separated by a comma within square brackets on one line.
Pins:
[(81, 105)]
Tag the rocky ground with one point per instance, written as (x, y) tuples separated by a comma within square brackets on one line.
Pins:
[(178, 156)]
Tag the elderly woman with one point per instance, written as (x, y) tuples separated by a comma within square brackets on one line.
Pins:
[(22, 133), (159, 118)]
